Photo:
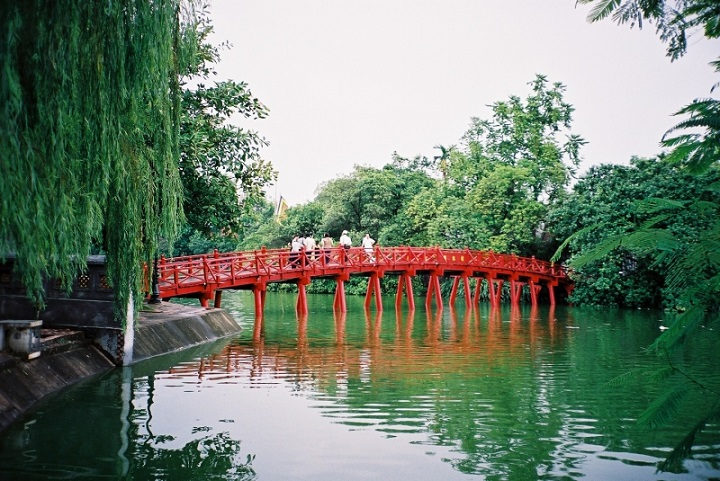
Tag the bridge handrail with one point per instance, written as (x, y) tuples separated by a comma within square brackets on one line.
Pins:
[(188, 272)]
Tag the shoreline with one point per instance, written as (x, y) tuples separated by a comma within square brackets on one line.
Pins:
[(166, 329)]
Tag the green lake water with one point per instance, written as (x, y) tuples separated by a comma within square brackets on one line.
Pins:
[(457, 395)]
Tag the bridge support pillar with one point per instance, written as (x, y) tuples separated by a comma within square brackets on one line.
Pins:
[(405, 285), (259, 291), (494, 290), (374, 287), (535, 288), (515, 291), (434, 290), (466, 288), (205, 297), (476, 294), (301, 306), (218, 299), (551, 290), (339, 304)]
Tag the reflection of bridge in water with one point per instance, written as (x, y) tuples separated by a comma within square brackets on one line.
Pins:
[(480, 340), (205, 276)]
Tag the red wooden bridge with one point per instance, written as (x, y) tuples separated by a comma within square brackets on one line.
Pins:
[(205, 276)]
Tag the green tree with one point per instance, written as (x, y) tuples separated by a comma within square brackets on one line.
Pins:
[(221, 169), (693, 270), (513, 166), (607, 202), (89, 112), (369, 199)]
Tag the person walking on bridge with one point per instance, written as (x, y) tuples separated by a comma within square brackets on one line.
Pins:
[(345, 240), (296, 248), (326, 243), (368, 243), (310, 246)]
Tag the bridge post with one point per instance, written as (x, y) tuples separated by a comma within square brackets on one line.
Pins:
[(218, 299), (399, 292), (534, 291), (205, 297), (466, 288), (405, 284), (434, 289), (551, 290), (453, 291), (515, 291), (259, 297), (301, 306), (476, 295), (374, 286), (339, 304), (494, 290)]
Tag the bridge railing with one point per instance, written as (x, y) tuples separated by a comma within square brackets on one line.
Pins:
[(183, 274)]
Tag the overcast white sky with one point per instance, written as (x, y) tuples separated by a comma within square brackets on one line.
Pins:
[(349, 82)]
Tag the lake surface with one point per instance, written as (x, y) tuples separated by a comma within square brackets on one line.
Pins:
[(456, 395)]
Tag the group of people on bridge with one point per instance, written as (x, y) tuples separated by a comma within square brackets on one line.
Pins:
[(305, 245)]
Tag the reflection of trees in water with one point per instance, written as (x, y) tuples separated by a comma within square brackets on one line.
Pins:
[(210, 457), (515, 393)]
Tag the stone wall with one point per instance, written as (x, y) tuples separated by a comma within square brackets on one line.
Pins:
[(23, 383)]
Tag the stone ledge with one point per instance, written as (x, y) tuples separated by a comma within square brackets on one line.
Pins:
[(24, 383)]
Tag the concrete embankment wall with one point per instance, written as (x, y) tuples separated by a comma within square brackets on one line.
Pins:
[(171, 328), (23, 383), (178, 327)]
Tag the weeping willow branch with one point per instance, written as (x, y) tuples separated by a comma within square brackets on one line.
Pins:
[(89, 102)]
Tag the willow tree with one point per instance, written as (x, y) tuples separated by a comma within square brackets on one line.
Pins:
[(89, 108)]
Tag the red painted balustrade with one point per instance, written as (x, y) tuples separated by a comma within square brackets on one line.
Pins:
[(205, 276)]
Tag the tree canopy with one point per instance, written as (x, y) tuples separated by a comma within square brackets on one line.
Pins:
[(221, 168), (90, 107)]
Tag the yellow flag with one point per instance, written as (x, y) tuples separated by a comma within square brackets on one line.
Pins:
[(281, 211)]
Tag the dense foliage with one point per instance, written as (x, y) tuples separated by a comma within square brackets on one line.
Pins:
[(692, 263), (89, 112), (221, 169), (608, 202)]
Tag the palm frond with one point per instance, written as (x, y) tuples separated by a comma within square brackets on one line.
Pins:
[(652, 205), (674, 460), (714, 187), (601, 10), (663, 408), (629, 12), (598, 252), (648, 240), (628, 377), (662, 374), (556, 256), (683, 324)]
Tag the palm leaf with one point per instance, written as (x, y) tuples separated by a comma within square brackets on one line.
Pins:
[(683, 324), (556, 256), (655, 204), (663, 408), (714, 187), (601, 10), (674, 460), (598, 252), (649, 240), (627, 377)]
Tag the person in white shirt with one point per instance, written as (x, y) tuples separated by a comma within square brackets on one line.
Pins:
[(345, 240), (310, 246), (295, 248), (367, 244)]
